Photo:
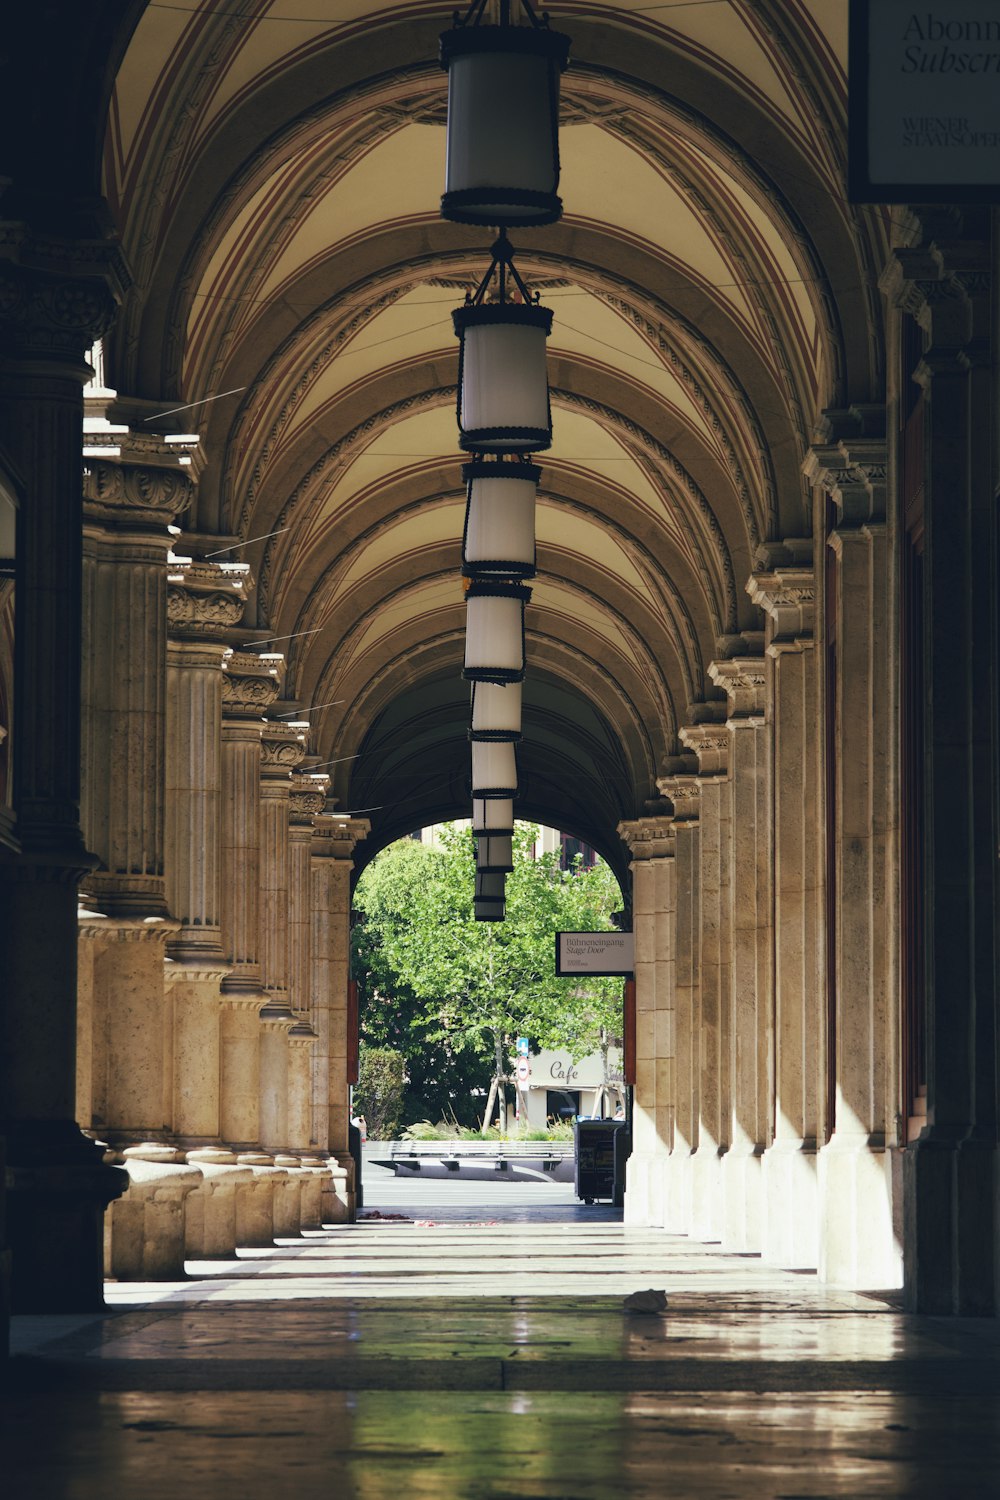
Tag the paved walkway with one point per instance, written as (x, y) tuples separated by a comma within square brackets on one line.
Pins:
[(479, 1348)]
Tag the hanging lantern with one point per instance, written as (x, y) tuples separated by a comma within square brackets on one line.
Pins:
[(494, 853), (503, 119), (489, 903), (492, 816), (494, 631), (496, 711), (499, 519), (503, 387), (494, 769)]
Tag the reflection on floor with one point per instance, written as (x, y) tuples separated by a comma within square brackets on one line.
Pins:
[(478, 1348)]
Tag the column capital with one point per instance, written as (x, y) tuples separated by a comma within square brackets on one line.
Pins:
[(308, 798), (57, 296), (144, 484), (787, 595), (250, 684), (648, 838), (710, 743), (744, 680), (282, 749), (205, 598), (944, 285), (335, 835), (684, 792), (852, 471)]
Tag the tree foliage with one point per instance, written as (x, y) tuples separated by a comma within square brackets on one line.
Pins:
[(435, 980), (378, 1094)]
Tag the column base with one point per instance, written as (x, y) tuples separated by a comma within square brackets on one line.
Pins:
[(791, 1206), (858, 1247), (742, 1199), (952, 1254), (644, 1189), (58, 1189), (706, 1194)]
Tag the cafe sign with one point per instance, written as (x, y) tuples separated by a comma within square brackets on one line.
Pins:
[(924, 101)]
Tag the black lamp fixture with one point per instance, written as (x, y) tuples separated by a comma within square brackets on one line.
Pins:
[(503, 118), (503, 386)]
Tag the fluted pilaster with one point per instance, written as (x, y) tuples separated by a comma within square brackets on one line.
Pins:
[(282, 748)]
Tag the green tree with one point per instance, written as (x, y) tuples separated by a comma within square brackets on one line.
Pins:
[(378, 1093), (473, 987)]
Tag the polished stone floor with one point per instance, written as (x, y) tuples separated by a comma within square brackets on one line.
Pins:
[(479, 1348)]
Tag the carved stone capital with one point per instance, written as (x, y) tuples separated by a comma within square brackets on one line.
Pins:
[(710, 743), (685, 793), (205, 599), (788, 597), (308, 797), (282, 748), (335, 835), (744, 680), (57, 296), (944, 286), (250, 685), (116, 492), (649, 838), (853, 472)]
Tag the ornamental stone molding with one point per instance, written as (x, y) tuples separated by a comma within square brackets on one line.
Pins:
[(308, 797), (788, 597), (852, 466), (685, 794), (116, 491), (250, 684), (205, 599), (57, 296), (710, 743), (282, 748), (744, 680), (649, 838), (944, 283), (335, 835)]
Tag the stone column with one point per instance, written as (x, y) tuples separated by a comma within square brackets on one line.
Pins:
[(282, 748), (791, 1208), (710, 743), (129, 502), (308, 798), (203, 600), (751, 873), (951, 1172), (250, 684), (56, 297), (857, 1245), (683, 791), (333, 844), (651, 842)]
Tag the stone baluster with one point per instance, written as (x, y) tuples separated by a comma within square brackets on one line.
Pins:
[(683, 790), (651, 842), (786, 594), (308, 797), (56, 297), (203, 600), (282, 748), (709, 742), (334, 839), (952, 1209), (744, 679), (855, 1169), (250, 684)]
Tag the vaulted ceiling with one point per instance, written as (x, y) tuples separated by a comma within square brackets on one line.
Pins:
[(275, 169)]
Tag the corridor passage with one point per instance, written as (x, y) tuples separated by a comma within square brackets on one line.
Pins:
[(478, 1348)]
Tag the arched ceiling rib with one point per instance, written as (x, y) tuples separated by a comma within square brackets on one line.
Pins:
[(276, 175)]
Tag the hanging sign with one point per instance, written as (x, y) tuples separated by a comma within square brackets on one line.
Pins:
[(924, 101), (595, 953)]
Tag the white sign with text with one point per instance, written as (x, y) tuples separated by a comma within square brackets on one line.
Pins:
[(606, 953)]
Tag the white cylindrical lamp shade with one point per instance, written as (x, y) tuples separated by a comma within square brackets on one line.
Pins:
[(494, 853), (500, 519), (503, 385), (494, 631), (496, 710), (503, 124), (494, 769), (492, 815)]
